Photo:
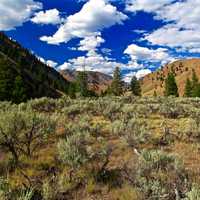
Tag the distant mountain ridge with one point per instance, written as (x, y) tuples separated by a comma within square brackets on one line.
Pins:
[(154, 83), (38, 79), (97, 81)]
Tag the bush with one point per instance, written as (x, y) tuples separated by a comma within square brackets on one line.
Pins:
[(170, 109), (73, 150), (21, 132), (135, 132), (194, 194)]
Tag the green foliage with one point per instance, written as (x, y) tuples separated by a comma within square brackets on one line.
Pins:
[(135, 132), (171, 88), (188, 88), (117, 86), (195, 79), (171, 109), (4, 188), (21, 132), (192, 87), (194, 194), (26, 194), (47, 191), (23, 76), (73, 151), (82, 84), (135, 86), (72, 90)]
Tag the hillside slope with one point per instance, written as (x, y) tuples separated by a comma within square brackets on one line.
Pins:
[(155, 82), (18, 65), (97, 81)]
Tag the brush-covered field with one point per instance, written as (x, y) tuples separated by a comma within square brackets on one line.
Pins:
[(108, 148)]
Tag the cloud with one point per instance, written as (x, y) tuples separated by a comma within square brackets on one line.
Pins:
[(90, 44), (49, 63), (95, 62), (47, 17), (15, 12), (146, 54), (139, 74), (182, 22), (146, 5), (183, 28), (92, 18)]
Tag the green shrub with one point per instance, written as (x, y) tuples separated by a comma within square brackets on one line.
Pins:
[(135, 132), (21, 132), (26, 194), (73, 150), (171, 109), (194, 194)]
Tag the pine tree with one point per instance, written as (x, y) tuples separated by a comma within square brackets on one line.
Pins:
[(171, 86), (195, 84), (82, 83), (188, 88), (6, 81), (117, 86), (196, 91), (19, 90), (135, 86), (72, 90)]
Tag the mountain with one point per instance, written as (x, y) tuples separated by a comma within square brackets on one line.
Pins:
[(98, 82), (24, 76), (182, 69)]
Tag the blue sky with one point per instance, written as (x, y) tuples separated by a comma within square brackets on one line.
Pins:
[(137, 35)]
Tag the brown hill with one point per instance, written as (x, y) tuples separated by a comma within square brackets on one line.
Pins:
[(97, 81), (155, 82)]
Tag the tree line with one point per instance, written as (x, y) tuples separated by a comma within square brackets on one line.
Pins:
[(192, 86)]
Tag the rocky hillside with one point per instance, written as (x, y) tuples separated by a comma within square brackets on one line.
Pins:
[(22, 74), (155, 82), (97, 81)]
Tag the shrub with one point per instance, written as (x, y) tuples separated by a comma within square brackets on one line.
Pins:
[(4, 189), (21, 132), (170, 109), (194, 194), (135, 132), (157, 160), (43, 104), (26, 194), (72, 151), (47, 191)]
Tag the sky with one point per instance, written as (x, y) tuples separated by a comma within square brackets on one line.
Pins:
[(138, 36)]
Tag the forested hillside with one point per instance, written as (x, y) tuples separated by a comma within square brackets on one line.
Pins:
[(154, 83), (23, 76)]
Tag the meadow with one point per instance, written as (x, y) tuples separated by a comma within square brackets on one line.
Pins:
[(112, 148)]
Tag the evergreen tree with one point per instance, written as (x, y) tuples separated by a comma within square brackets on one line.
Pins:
[(72, 90), (19, 90), (135, 86), (82, 84), (171, 86), (196, 91), (117, 86), (6, 81), (195, 84), (188, 88)]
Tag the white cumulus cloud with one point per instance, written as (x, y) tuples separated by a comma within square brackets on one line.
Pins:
[(14, 13), (146, 54), (92, 18), (146, 5), (47, 17), (138, 74)]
